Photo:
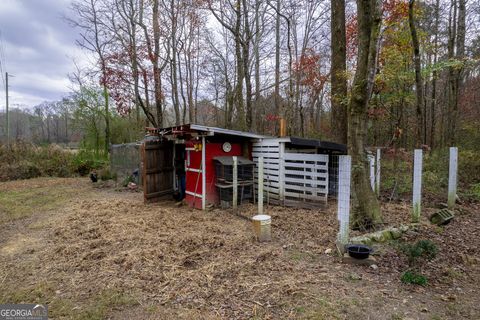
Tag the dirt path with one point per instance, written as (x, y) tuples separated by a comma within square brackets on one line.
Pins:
[(99, 253)]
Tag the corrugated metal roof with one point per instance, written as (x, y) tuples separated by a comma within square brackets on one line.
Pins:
[(221, 131), (326, 145), (226, 131)]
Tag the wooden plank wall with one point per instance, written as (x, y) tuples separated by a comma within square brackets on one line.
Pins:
[(306, 179), (292, 178), (157, 170), (270, 150)]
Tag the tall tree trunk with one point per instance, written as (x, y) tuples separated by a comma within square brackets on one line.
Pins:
[(107, 120), (157, 78), (173, 65), (257, 61), (451, 91), (433, 101), (366, 211), (418, 70), (246, 66), (278, 109), (458, 72), (338, 72), (240, 69)]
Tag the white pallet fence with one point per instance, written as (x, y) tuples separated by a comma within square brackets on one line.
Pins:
[(306, 178), (291, 178), (270, 151)]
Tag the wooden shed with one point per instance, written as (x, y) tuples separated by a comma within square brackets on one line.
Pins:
[(181, 161)]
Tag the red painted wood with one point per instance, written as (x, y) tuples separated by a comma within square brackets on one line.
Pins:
[(212, 150)]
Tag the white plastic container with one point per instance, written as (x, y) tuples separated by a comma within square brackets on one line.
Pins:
[(262, 226)]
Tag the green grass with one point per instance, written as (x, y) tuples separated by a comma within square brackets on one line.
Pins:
[(298, 255), (105, 302), (411, 277), (322, 309), (95, 308), (17, 204)]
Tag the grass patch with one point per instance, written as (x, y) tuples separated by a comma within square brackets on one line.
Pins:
[(41, 293), (323, 309), (298, 255), (411, 277), (96, 308), (106, 301), (22, 203)]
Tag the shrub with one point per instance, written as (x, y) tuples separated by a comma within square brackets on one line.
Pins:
[(413, 278), (105, 174), (23, 160), (19, 170), (422, 248), (474, 192), (85, 161)]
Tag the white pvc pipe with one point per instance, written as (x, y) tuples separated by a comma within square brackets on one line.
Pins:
[(417, 185), (452, 177), (371, 160), (343, 203), (377, 177)]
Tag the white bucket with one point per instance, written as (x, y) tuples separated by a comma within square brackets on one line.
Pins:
[(262, 226)]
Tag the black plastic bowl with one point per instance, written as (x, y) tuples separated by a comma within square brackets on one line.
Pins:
[(358, 251)]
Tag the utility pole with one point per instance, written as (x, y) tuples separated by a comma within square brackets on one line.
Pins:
[(6, 108)]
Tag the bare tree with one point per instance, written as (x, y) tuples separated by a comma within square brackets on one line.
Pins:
[(366, 207), (90, 19)]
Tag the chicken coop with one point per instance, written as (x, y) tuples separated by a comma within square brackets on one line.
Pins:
[(187, 154), (195, 164), (226, 180)]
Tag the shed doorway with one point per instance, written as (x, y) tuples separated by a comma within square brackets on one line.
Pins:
[(158, 169)]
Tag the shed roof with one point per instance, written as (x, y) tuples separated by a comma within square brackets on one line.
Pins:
[(196, 128), (318, 144), (192, 128)]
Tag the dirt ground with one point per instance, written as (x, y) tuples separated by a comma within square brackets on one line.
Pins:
[(94, 252)]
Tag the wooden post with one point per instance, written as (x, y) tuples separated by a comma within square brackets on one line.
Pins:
[(417, 185), (260, 185), (235, 182), (204, 176), (343, 203), (377, 176), (371, 160), (281, 173), (452, 177)]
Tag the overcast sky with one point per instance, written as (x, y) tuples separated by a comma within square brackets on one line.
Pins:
[(39, 49)]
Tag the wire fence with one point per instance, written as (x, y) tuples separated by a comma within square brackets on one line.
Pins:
[(125, 162)]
